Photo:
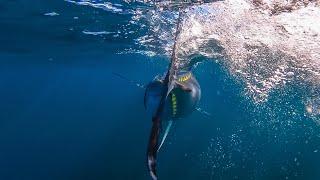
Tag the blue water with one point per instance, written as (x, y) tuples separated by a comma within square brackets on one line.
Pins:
[(66, 115)]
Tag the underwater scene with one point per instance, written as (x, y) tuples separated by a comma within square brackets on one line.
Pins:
[(142, 89)]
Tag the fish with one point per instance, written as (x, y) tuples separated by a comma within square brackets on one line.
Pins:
[(168, 86), (170, 98)]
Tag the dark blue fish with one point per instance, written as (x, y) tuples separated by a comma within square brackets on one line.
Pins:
[(169, 99)]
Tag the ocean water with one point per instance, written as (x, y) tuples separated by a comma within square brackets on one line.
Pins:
[(65, 113)]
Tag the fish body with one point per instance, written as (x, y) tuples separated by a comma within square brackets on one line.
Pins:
[(181, 100), (165, 101)]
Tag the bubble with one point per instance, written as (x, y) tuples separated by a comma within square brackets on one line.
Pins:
[(309, 109)]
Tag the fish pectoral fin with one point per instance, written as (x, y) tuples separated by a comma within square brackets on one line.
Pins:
[(166, 132)]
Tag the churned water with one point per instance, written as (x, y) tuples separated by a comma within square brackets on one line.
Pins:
[(71, 106)]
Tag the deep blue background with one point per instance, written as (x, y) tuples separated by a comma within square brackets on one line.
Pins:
[(65, 115)]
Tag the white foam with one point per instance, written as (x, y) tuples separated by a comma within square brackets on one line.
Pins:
[(108, 6), (95, 33), (51, 14)]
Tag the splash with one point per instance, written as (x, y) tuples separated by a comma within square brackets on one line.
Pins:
[(264, 53), (108, 6)]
